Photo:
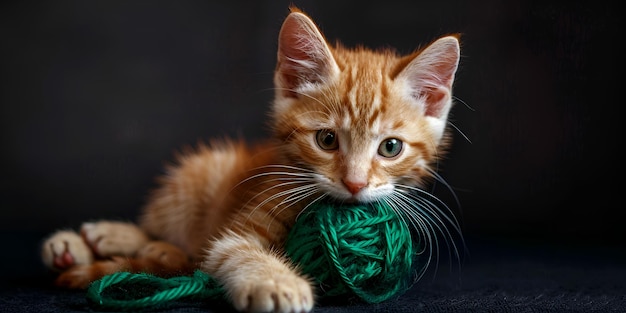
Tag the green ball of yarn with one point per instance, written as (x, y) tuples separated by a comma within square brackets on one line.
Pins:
[(364, 250)]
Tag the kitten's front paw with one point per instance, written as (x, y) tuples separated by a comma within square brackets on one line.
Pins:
[(285, 294), (113, 238), (65, 249)]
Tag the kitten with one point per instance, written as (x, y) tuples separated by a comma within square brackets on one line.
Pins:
[(354, 125)]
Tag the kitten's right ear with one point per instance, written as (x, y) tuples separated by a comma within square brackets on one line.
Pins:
[(304, 58)]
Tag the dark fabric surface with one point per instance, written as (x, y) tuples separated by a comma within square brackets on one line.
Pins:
[(495, 276)]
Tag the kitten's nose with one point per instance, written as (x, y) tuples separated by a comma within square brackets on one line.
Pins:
[(354, 186)]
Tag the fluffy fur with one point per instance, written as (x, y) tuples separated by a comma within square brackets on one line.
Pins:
[(353, 125)]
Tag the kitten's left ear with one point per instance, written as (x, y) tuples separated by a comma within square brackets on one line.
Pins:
[(428, 79)]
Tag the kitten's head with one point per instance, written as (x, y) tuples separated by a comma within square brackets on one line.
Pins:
[(364, 122)]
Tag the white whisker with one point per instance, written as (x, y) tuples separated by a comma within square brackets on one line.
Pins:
[(449, 215), (277, 195), (464, 103), (431, 219), (322, 196), (460, 132), (424, 240), (430, 226), (295, 198)]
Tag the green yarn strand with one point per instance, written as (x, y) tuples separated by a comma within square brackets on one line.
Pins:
[(123, 291)]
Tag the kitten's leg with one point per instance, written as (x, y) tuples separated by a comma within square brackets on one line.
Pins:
[(64, 249), (156, 257), (108, 238), (256, 279)]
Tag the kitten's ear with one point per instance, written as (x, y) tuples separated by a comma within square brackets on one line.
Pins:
[(304, 58), (428, 79)]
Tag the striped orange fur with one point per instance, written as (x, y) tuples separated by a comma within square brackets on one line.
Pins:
[(349, 124)]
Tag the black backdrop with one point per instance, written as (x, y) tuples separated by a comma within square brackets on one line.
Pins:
[(97, 96)]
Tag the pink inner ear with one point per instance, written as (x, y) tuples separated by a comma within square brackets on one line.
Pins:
[(431, 73), (293, 41), (294, 59), (435, 99)]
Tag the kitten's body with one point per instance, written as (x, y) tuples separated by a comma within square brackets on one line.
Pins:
[(349, 124)]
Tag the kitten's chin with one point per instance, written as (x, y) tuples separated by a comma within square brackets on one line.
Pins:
[(352, 200)]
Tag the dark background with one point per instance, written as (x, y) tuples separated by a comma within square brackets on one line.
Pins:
[(96, 96)]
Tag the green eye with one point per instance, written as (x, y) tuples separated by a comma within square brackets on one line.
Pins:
[(390, 147), (327, 139)]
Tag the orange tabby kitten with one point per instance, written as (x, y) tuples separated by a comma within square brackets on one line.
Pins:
[(354, 125)]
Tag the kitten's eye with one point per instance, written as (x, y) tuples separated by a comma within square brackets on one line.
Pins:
[(390, 147), (327, 139)]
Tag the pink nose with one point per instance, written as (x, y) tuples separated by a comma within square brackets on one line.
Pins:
[(354, 187)]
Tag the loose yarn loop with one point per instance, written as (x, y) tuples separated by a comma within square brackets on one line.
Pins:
[(125, 291), (365, 250)]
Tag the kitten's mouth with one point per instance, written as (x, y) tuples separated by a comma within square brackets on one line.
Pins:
[(354, 199)]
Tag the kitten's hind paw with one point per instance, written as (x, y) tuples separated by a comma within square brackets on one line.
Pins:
[(108, 238), (65, 249)]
